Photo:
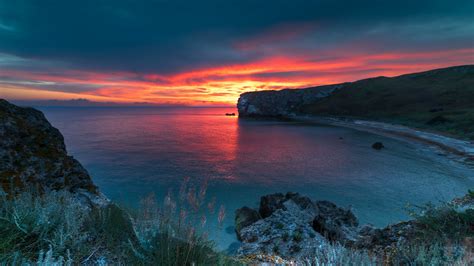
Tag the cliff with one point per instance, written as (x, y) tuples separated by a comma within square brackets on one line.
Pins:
[(439, 99), (33, 156), (282, 103)]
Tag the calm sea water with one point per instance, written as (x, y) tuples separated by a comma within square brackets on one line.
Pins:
[(131, 152)]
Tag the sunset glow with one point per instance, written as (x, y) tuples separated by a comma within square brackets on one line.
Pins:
[(222, 85), (139, 57)]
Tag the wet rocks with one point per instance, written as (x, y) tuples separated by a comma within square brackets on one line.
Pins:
[(378, 146)]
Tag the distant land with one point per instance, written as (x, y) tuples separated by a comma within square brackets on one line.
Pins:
[(441, 100), (88, 103)]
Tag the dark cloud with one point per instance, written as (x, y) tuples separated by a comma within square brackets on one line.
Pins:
[(168, 36)]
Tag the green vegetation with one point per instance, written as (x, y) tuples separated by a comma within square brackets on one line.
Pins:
[(57, 228), (445, 223), (439, 100), (433, 254), (470, 193), (297, 236)]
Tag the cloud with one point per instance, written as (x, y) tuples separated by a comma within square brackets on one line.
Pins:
[(160, 49)]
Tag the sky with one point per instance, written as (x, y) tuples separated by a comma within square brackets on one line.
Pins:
[(207, 52)]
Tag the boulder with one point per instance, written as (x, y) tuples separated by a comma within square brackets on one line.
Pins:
[(378, 146), (376, 239), (270, 203), (287, 233), (244, 217), (336, 224), (273, 202)]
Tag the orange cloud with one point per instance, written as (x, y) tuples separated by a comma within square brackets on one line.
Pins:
[(222, 85)]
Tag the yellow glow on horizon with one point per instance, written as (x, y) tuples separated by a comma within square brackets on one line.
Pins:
[(222, 85), (20, 93)]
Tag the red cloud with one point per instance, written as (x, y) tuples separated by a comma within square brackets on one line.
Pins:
[(223, 84)]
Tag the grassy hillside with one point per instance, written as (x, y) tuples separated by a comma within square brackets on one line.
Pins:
[(441, 100)]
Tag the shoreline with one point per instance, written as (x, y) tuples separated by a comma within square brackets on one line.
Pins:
[(457, 149)]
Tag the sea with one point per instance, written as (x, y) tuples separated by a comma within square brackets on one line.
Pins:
[(134, 152)]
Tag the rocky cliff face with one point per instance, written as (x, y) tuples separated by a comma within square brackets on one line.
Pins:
[(33, 156), (438, 100), (281, 103)]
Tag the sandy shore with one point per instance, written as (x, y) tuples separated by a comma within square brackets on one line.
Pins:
[(459, 149)]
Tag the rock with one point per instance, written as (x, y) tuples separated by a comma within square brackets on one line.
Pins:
[(283, 103), (286, 232), (375, 239), (297, 228), (335, 223), (270, 203), (437, 120), (33, 156), (245, 216), (273, 202), (286, 228), (378, 146)]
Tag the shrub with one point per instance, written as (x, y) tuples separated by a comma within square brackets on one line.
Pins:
[(430, 254), (470, 193), (30, 223), (297, 236), (57, 229), (444, 222)]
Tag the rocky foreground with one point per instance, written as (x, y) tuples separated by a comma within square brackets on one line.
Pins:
[(52, 204), (293, 227), (33, 156)]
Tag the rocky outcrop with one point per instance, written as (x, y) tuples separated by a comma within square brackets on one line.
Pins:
[(33, 156), (336, 224), (287, 232), (293, 227), (245, 216), (283, 103)]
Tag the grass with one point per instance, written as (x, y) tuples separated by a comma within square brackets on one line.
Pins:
[(437, 100), (444, 223), (29, 224), (434, 254), (55, 228)]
